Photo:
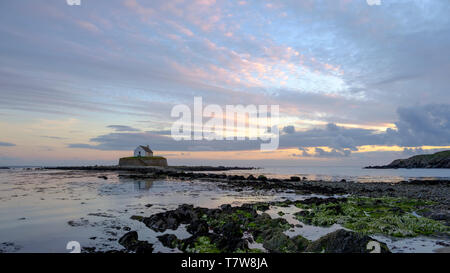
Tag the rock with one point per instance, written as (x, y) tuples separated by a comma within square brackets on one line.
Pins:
[(144, 247), (262, 206), (251, 177), (225, 207), (262, 178), (88, 249), (137, 218), (103, 177), (168, 240), (295, 178), (79, 223), (129, 239), (231, 238), (319, 201), (343, 241), (198, 227), (236, 177), (131, 243), (301, 243), (159, 222), (278, 242)]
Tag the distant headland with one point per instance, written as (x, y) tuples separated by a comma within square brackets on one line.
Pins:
[(439, 160)]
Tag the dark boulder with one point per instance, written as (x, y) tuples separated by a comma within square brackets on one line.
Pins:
[(160, 222), (276, 241), (198, 227), (343, 241), (129, 239), (262, 178), (168, 240), (131, 243)]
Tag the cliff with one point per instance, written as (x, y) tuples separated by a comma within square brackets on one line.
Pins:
[(158, 161), (436, 160)]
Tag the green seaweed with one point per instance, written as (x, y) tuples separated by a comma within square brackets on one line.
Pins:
[(386, 215), (203, 245)]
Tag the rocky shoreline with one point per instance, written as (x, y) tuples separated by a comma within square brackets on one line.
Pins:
[(150, 169), (232, 229), (250, 229), (404, 209), (433, 190)]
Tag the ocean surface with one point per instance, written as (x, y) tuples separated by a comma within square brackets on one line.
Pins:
[(42, 210), (359, 174)]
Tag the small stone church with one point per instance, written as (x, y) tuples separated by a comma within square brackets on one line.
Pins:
[(143, 157), (143, 151)]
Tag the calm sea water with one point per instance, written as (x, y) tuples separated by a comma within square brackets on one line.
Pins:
[(42, 210), (337, 173)]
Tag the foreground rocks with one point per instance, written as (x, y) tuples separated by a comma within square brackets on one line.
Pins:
[(224, 230)]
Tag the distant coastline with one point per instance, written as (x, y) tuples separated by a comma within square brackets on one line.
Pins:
[(439, 160)]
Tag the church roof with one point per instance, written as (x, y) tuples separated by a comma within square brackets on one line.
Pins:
[(146, 148)]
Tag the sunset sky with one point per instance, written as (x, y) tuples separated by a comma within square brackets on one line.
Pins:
[(356, 84)]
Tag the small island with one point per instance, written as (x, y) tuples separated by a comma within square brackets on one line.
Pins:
[(143, 156), (439, 160)]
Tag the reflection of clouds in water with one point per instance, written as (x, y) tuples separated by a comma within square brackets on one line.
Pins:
[(125, 186), (138, 185)]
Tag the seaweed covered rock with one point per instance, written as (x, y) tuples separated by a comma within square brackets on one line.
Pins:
[(277, 242), (198, 227), (388, 216), (344, 241)]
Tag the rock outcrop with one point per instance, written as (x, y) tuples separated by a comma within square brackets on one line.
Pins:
[(436, 160), (344, 241)]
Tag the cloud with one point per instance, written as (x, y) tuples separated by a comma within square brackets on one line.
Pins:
[(7, 144), (333, 136), (423, 125), (123, 128), (289, 129), (54, 137), (319, 152), (158, 140), (387, 65), (417, 126), (413, 151), (333, 153)]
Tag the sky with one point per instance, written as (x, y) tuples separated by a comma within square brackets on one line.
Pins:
[(357, 84)]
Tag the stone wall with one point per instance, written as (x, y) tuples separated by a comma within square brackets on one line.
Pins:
[(143, 161)]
